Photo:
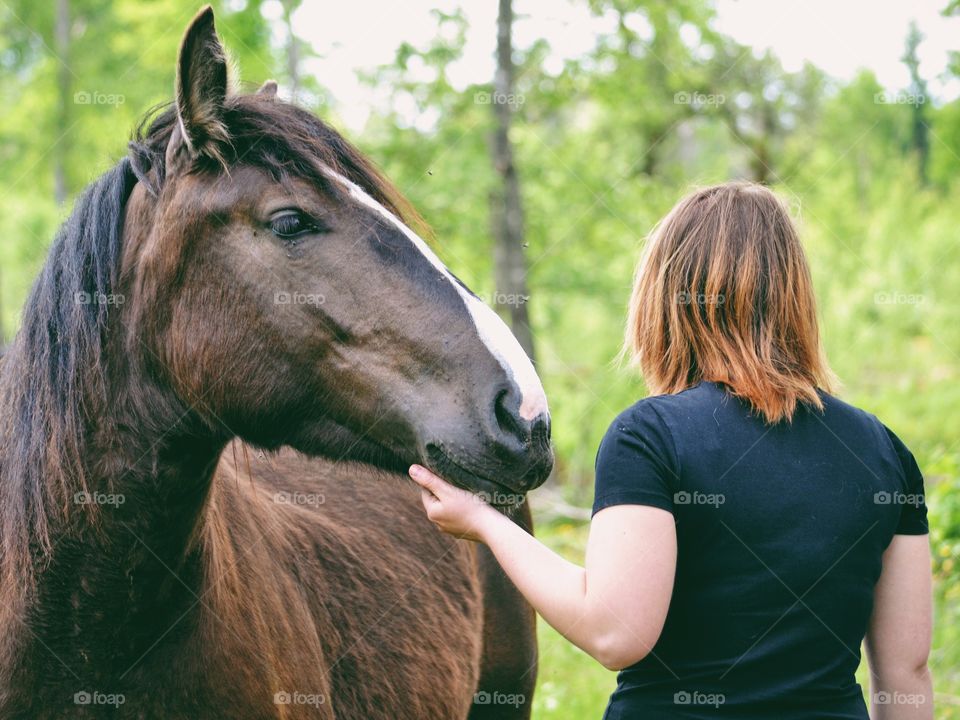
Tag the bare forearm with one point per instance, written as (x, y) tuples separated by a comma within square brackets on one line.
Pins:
[(555, 587), (617, 614)]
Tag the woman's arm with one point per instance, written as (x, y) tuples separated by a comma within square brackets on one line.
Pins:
[(898, 638), (615, 607)]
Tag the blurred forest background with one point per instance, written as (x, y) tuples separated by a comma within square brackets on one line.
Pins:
[(541, 186)]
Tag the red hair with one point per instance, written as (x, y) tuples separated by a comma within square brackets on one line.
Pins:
[(723, 293)]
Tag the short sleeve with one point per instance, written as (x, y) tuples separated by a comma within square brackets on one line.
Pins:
[(913, 507), (636, 463)]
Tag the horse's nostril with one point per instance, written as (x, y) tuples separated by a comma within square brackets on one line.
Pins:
[(506, 408), (540, 428), (512, 424)]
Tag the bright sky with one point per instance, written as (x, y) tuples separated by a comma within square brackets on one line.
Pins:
[(839, 36)]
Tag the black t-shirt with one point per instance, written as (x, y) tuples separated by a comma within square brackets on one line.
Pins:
[(780, 533)]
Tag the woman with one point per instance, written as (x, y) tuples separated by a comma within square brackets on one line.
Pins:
[(749, 529)]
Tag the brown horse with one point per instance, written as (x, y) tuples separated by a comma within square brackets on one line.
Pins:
[(236, 347)]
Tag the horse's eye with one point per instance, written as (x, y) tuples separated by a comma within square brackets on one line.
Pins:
[(292, 223)]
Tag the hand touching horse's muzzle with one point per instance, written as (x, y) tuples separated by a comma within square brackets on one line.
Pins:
[(501, 457)]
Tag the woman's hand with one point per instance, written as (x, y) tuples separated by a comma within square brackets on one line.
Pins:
[(455, 511)]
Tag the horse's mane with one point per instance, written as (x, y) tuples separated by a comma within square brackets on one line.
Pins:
[(54, 375), (55, 366)]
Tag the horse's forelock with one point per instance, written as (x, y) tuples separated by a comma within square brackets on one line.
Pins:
[(277, 136)]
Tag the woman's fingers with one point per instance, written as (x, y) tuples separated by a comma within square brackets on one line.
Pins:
[(426, 479)]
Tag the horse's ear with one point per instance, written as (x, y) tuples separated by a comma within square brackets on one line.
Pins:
[(268, 90), (201, 89)]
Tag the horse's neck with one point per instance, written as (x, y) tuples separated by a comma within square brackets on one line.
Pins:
[(148, 499)]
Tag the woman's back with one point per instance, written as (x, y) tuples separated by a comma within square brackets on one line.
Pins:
[(780, 533)]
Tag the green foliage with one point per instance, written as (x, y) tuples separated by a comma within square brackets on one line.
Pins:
[(945, 521)]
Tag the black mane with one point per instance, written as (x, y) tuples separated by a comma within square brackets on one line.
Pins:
[(55, 364)]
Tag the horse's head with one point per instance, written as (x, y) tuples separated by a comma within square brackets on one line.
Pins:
[(279, 290)]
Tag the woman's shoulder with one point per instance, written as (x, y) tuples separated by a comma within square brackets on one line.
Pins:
[(840, 412), (647, 421), (837, 413)]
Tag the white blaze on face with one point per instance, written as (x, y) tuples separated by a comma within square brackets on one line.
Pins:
[(491, 329)]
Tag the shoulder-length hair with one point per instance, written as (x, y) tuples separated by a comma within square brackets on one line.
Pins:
[(723, 293)]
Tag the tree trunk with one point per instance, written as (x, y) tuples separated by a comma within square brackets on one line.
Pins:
[(921, 141), (510, 262), (61, 43), (292, 49), (920, 131)]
